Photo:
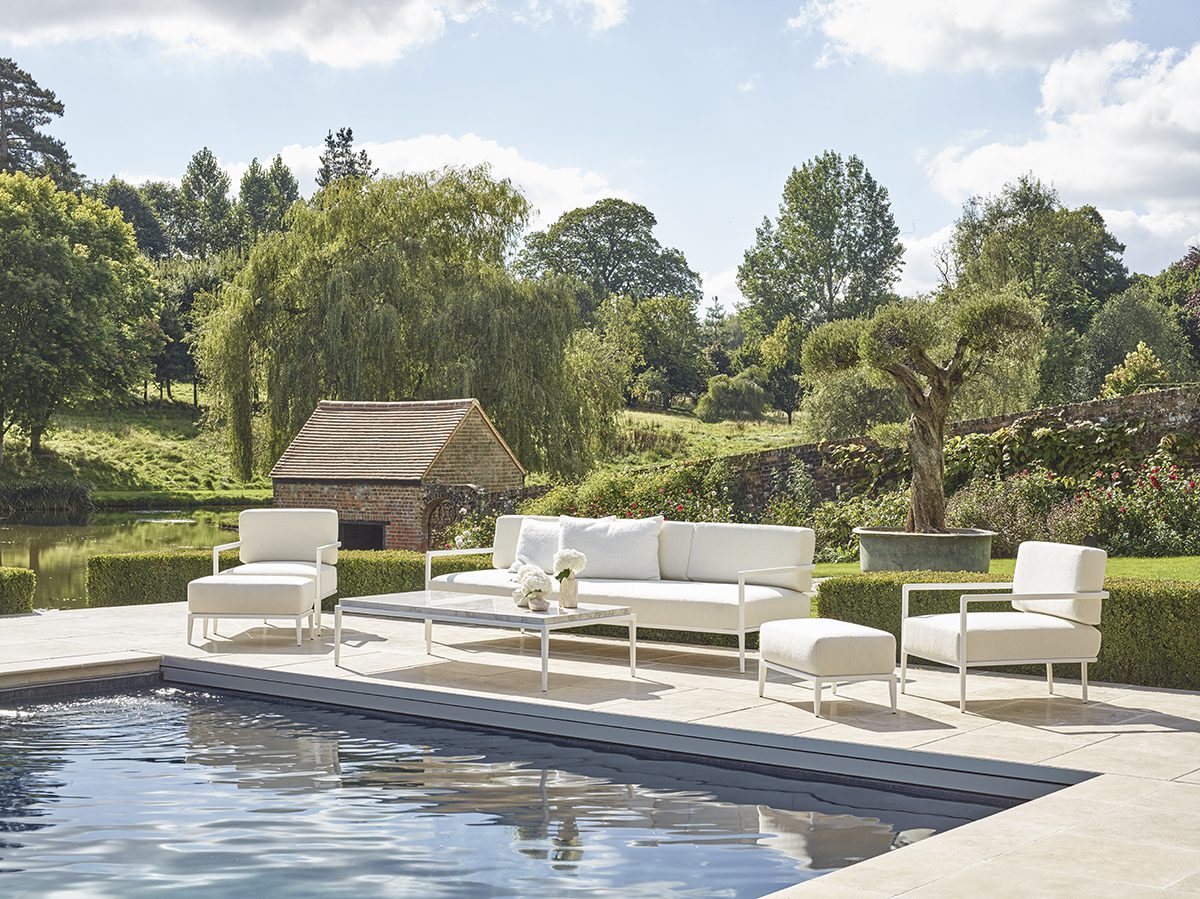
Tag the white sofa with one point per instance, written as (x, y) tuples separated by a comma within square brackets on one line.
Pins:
[(713, 578)]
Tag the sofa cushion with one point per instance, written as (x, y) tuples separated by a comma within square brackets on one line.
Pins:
[(329, 573), (490, 581), (1000, 636), (250, 594), (827, 647), (694, 605), (1060, 568), (537, 542), (287, 535), (720, 551), (674, 549), (615, 547), (508, 531)]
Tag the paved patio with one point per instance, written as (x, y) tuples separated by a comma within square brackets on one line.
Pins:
[(1133, 831)]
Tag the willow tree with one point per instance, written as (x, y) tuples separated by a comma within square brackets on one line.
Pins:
[(929, 349), (392, 289)]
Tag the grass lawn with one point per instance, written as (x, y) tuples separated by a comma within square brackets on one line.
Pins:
[(648, 437), (135, 454), (1169, 568)]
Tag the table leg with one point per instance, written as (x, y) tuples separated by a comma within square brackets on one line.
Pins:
[(429, 636), (633, 646), (337, 637), (545, 658)]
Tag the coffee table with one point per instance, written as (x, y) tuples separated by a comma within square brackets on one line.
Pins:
[(448, 607)]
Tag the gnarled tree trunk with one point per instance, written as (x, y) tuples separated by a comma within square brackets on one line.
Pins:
[(926, 434)]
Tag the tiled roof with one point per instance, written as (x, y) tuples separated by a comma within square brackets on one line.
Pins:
[(374, 441)]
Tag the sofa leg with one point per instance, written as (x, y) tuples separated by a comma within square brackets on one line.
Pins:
[(903, 672), (892, 692), (962, 688), (1083, 679), (300, 630), (742, 652), (762, 677), (1050, 678), (204, 628)]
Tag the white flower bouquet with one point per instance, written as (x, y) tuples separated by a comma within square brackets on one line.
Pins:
[(533, 586), (568, 563)]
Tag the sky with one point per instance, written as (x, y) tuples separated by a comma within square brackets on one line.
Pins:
[(698, 109)]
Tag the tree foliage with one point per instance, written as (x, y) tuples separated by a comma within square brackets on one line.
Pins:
[(26, 106), (77, 302), (660, 335), (264, 197), (1141, 370), (739, 398), (339, 160), (781, 353), (397, 289), (1178, 288), (610, 246), (207, 221), (929, 349), (833, 252), (148, 229)]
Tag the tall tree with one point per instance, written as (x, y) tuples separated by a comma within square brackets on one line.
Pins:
[(1178, 288), (164, 198), (265, 195), (285, 189), (611, 247), (77, 302), (397, 288), (664, 337), (207, 222), (25, 106), (1027, 237), (929, 350), (338, 159), (147, 227), (833, 252)]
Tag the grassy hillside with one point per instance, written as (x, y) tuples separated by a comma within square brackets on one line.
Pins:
[(136, 453), (647, 437)]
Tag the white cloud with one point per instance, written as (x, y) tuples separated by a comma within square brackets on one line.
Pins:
[(920, 273), (920, 35), (748, 85), (337, 33), (723, 286), (1120, 129)]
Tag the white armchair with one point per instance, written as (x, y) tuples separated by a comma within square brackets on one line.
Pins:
[(288, 543), (1056, 596)]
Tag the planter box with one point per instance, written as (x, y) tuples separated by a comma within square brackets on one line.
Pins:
[(887, 549)]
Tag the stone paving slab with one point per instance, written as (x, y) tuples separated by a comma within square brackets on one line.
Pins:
[(1132, 831)]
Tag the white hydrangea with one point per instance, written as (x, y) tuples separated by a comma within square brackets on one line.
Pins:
[(533, 580), (568, 563)]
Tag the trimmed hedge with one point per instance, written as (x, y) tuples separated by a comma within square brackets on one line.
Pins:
[(1148, 627), (131, 579), (16, 590)]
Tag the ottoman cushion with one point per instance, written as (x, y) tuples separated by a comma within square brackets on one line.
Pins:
[(251, 594), (826, 647)]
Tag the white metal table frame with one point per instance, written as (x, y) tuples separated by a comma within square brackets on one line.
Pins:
[(544, 627)]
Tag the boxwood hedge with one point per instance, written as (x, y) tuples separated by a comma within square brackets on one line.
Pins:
[(131, 579), (16, 590), (1148, 627)]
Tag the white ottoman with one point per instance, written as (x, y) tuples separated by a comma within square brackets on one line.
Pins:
[(252, 596), (826, 650)]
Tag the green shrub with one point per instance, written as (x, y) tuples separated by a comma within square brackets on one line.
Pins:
[(138, 578), (16, 590), (1032, 506), (835, 521), (67, 496), (1148, 627), (739, 398)]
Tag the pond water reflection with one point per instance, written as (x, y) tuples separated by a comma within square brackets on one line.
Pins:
[(57, 549)]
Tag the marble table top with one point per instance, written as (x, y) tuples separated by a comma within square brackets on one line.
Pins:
[(446, 604)]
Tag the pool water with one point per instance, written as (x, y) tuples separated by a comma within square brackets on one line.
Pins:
[(185, 793)]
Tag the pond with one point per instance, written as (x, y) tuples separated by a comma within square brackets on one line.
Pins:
[(58, 549)]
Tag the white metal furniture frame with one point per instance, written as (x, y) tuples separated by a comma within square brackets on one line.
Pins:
[(740, 631), (312, 615), (818, 681), (449, 607), (965, 600), (320, 593)]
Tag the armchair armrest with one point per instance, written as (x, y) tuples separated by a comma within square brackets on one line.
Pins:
[(220, 548), (981, 585), (320, 549), (430, 554)]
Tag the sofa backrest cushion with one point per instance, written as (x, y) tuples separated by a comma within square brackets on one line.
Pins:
[(287, 535), (674, 549), (1060, 568), (620, 548), (720, 551), (537, 541), (508, 532)]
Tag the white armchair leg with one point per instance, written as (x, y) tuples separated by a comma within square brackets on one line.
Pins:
[(1050, 678), (742, 652), (762, 677), (1083, 678), (903, 672), (962, 688), (817, 698)]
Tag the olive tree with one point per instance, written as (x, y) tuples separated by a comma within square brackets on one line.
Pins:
[(929, 349)]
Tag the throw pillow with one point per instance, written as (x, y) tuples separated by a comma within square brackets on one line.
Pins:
[(625, 549), (537, 542)]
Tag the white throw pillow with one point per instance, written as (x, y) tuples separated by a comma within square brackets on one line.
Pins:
[(625, 549), (536, 544)]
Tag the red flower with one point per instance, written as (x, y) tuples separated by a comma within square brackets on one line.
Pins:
[(1154, 481), (679, 508)]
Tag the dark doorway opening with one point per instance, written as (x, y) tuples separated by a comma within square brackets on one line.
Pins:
[(362, 534)]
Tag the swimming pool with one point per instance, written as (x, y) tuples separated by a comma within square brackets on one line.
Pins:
[(191, 793)]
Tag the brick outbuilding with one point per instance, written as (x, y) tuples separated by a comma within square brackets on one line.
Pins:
[(381, 466)]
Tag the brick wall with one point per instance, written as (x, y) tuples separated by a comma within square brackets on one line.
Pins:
[(397, 504), (474, 456)]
